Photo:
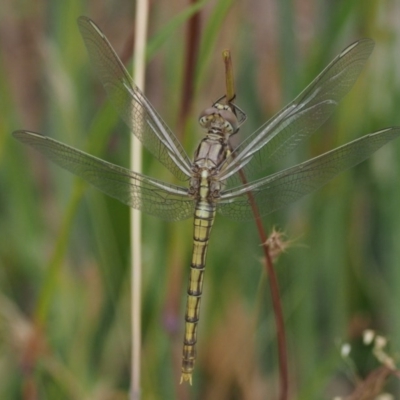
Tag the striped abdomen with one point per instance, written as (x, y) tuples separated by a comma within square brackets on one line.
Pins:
[(203, 220)]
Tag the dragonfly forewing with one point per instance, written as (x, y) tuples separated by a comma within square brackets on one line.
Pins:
[(287, 186), (300, 118), (133, 107), (169, 202)]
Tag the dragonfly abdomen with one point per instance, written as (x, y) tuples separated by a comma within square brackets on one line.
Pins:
[(203, 221)]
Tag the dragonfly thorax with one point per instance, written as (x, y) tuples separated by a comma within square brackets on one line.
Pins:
[(211, 153), (209, 158), (204, 185), (219, 119)]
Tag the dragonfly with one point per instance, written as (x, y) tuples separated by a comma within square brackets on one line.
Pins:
[(221, 177)]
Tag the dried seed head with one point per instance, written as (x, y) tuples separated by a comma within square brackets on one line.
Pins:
[(277, 243)]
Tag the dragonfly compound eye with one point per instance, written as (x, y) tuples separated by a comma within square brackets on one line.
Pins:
[(231, 122), (218, 117), (207, 116)]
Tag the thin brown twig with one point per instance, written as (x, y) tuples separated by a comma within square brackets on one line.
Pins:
[(269, 266), (229, 78), (192, 52), (276, 302)]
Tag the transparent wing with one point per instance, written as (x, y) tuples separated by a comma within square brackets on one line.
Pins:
[(298, 120), (285, 187), (131, 104), (156, 198)]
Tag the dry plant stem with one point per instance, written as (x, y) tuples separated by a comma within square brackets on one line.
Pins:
[(279, 321), (229, 79), (269, 266), (276, 302), (192, 52), (142, 9)]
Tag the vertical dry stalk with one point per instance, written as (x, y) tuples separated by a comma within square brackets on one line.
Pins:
[(191, 56), (142, 9), (276, 301), (269, 266)]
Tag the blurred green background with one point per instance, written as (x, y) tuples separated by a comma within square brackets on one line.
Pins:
[(64, 247)]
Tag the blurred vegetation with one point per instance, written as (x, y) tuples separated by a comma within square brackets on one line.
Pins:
[(64, 248)]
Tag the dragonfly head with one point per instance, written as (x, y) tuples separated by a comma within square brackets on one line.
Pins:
[(219, 118)]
